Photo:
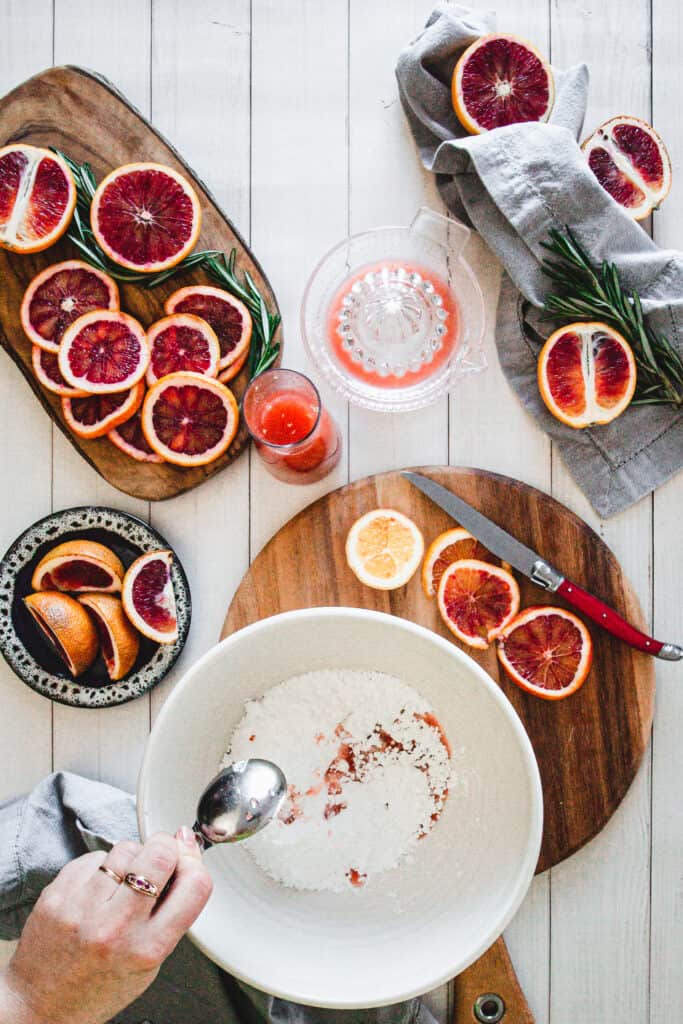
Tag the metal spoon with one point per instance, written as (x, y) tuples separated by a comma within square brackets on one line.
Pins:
[(240, 801)]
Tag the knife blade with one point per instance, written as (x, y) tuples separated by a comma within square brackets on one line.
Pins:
[(540, 572)]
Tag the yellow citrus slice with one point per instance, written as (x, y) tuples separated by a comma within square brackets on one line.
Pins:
[(449, 547), (384, 548), (189, 419), (547, 651), (146, 217), (119, 640), (67, 627), (477, 600), (586, 374)]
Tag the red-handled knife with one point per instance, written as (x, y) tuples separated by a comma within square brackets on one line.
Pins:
[(539, 571)]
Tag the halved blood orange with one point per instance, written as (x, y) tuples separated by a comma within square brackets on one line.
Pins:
[(46, 369), (189, 419), (94, 416), (450, 547), (631, 162), (146, 216), (230, 319), (104, 352), (59, 295), (37, 197), (547, 651), (586, 374), (477, 600), (181, 342), (501, 80), (119, 641), (148, 597), (67, 627), (77, 566), (130, 439)]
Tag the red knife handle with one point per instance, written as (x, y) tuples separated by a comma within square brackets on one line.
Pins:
[(606, 617)]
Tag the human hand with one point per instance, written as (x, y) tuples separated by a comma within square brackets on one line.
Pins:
[(91, 945)]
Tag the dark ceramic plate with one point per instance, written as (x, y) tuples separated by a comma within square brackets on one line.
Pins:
[(29, 653)]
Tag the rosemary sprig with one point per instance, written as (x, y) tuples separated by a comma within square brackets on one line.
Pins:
[(587, 292), (264, 349), (80, 234)]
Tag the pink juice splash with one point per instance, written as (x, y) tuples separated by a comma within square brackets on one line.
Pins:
[(393, 324)]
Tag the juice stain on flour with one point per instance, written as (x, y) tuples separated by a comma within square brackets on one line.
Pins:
[(368, 767)]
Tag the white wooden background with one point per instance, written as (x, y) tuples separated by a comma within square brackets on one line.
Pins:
[(289, 110)]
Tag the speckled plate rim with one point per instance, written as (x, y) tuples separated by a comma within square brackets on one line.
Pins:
[(69, 691)]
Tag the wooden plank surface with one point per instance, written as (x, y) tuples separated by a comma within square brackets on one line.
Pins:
[(289, 113)]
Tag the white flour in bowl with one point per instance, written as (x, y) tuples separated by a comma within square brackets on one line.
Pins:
[(367, 765)]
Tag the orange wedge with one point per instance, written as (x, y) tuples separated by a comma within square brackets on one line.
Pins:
[(119, 641)]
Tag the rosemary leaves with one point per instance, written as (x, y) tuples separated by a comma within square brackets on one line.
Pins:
[(587, 292)]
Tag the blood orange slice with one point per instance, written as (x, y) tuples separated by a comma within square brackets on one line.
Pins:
[(631, 162), (59, 295), (146, 216), (119, 640), (67, 627), (181, 342), (131, 440), (37, 198), (46, 369), (501, 80), (189, 419), (96, 415), (230, 319), (586, 374), (477, 600), (148, 598), (233, 369), (104, 352), (547, 651), (450, 547), (77, 566)]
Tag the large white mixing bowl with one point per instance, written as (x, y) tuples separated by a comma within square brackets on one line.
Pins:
[(412, 928)]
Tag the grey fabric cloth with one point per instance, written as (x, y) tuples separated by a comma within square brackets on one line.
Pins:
[(513, 185), (66, 816)]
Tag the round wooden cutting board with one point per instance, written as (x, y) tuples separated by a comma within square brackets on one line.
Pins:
[(588, 746)]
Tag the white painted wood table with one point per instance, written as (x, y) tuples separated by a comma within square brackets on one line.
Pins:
[(288, 110)]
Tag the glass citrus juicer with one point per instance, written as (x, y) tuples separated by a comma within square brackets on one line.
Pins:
[(393, 317)]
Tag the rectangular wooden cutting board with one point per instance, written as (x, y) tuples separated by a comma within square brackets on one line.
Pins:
[(85, 117)]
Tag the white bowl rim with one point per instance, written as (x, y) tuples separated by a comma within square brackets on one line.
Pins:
[(535, 834)]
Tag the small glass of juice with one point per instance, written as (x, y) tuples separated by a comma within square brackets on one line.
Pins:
[(295, 436)]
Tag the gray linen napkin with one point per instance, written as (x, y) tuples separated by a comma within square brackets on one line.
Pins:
[(66, 816), (513, 185)]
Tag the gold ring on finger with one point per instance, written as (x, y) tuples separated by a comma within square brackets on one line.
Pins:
[(138, 883), (112, 874)]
